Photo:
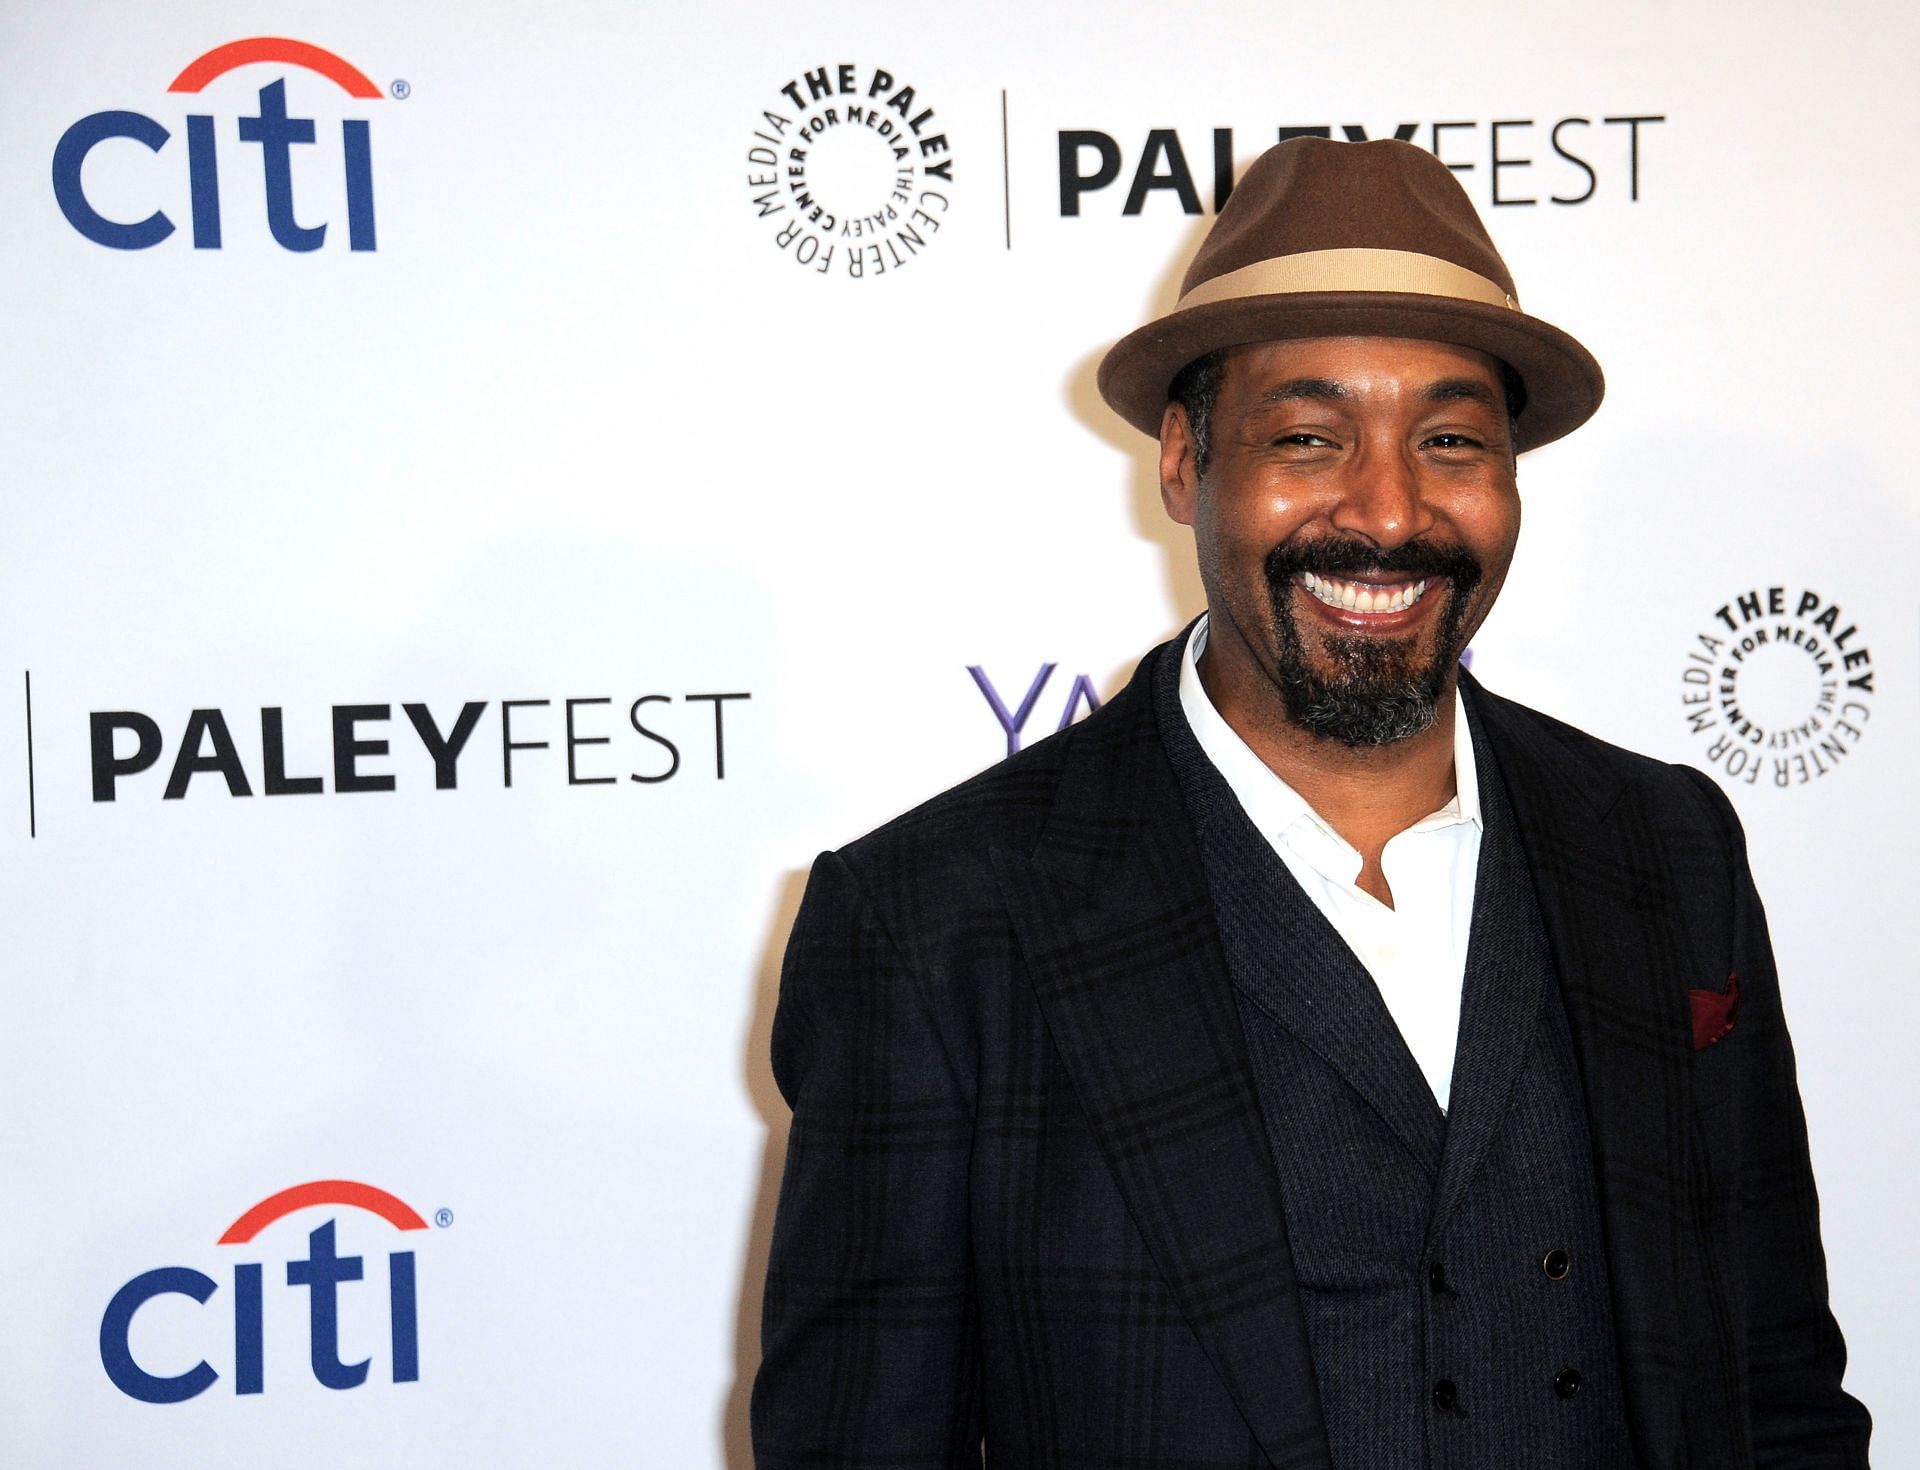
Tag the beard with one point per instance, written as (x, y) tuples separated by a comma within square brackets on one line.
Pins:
[(1380, 690)]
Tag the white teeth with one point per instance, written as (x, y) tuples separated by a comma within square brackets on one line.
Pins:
[(1359, 597)]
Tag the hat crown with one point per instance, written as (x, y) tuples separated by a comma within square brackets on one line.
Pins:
[(1325, 239), (1311, 194)]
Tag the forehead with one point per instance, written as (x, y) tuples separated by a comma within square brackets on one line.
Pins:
[(1365, 365)]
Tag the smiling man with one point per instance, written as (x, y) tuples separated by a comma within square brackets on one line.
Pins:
[(1309, 1059)]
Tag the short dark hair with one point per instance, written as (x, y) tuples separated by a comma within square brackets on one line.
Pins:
[(1196, 388)]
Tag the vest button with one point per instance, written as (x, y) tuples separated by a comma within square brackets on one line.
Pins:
[(1566, 1382), (1556, 1263), (1446, 1397), (1437, 1277)]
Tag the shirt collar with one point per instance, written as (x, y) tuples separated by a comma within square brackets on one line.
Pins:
[(1274, 806)]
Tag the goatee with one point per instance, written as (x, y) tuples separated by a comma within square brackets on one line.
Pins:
[(1381, 689)]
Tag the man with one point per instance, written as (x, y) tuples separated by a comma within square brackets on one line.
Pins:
[(1310, 1059)]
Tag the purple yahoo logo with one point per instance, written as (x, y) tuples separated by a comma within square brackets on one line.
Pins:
[(1081, 692)]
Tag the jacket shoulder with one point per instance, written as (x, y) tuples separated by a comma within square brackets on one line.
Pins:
[(1004, 806), (1686, 794)]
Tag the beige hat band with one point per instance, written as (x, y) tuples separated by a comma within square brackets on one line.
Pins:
[(1350, 270), (1326, 239)]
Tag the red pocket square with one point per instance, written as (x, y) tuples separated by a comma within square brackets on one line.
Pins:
[(1713, 1012)]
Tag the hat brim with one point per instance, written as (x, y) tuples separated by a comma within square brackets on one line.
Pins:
[(1564, 383)]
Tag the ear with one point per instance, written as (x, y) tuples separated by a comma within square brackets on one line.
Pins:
[(1179, 466)]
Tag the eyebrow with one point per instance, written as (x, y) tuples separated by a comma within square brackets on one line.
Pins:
[(1308, 388), (1468, 389), (1446, 390)]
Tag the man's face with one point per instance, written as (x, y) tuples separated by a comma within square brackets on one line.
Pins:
[(1354, 525)]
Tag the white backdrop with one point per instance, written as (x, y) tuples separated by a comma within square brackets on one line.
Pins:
[(584, 425)]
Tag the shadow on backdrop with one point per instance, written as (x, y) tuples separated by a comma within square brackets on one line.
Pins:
[(757, 1072), (1180, 575)]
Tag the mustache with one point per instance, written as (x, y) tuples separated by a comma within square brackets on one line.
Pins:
[(1336, 556)]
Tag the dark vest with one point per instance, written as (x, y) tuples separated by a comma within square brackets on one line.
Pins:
[(1450, 1265)]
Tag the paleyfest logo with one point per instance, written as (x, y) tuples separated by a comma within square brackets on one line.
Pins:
[(1508, 162), (321, 1274), (100, 213), (850, 171), (1780, 683), (358, 742)]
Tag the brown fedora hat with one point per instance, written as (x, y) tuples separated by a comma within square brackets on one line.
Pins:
[(1325, 239)]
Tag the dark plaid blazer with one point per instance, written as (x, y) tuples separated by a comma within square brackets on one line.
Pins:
[(1029, 1196)]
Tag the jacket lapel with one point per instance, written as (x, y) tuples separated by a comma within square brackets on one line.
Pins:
[(1500, 994), (1118, 932), (1596, 859), (1289, 959), (1335, 1010)]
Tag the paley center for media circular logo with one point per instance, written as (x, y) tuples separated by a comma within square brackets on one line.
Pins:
[(850, 171), (1778, 688)]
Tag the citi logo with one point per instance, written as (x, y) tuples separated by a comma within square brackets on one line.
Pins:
[(321, 1275), (272, 129)]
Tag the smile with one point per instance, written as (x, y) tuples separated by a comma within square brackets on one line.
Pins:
[(1364, 597)]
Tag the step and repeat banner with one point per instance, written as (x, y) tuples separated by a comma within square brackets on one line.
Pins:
[(492, 491)]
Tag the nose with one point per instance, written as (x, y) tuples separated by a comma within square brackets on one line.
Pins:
[(1381, 499)]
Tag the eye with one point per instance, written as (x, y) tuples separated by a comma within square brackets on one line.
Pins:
[(1454, 441), (1304, 440)]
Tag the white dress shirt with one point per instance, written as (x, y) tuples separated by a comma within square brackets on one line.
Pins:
[(1416, 951)]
